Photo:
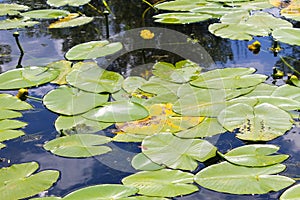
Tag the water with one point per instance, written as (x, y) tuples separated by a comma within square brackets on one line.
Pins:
[(43, 46)]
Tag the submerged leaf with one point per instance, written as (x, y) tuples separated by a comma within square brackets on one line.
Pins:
[(233, 179), (160, 149), (78, 145), (162, 183), (18, 180)]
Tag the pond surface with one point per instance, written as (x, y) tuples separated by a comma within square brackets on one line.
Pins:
[(43, 46)]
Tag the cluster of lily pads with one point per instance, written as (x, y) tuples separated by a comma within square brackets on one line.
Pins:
[(171, 114), (239, 19), (19, 17)]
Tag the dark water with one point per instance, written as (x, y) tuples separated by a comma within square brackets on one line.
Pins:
[(43, 46)]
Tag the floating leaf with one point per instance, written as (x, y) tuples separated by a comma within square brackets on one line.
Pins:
[(162, 183), (161, 118), (90, 77), (160, 149), (233, 179), (8, 114), (26, 77), (263, 122), (208, 127), (128, 137), (287, 91), (118, 111), (58, 3), (142, 162), (11, 9), (16, 23), (93, 49), (287, 35), (10, 102), (78, 124), (18, 180), (78, 145), (262, 89), (181, 18), (229, 78), (72, 101), (46, 14), (64, 67), (72, 20), (172, 73), (7, 131), (102, 192), (132, 83), (292, 193), (216, 10), (255, 155), (280, 102), (180, 5)]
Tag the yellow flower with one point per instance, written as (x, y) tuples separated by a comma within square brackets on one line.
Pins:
[(22, 94), (147, 34)]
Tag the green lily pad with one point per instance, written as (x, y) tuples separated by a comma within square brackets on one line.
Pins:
[(90, 77), (8, 114), (180, 5), (78, 145), (181, 18), (9, 102), (71, 22), (292, 193), (11, 8), (263, 122), (287, 35), (172, 73), (64, 67), (26, 77), (46, 14), (18, 180), (255, 155), (16, 23), (229, 78), (160, 149), (93, 49), (142, 162), (287, 91), (262, 89), (128, 137), (78, 124), (58, 3), (72, 101), (233, 179), (118, 111), (102, 192), (208, 127), (7, 131), (280, 102), (162, 183), (216, 10), (132, 83)]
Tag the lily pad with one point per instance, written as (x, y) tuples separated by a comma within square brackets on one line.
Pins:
[(58, 3), (26, 77), (90, 77), (162, 183), (11, 8), (255, 155), (233, 179), (287, 91), (16, 23), (180, 5), (72, 20), (132, 83), (8, 114), (9, 102), (72, 101), (93, 49), (160, 149), (7, 131), (78, 145), (292, 193), (262, 89), (172, 73), (263, 122), (46, 14), (102, 192), (287, 35), (78, 124), (280, 102), (181, 18), (18, 180), (142, 162), (127, 137), (64, 67), (117, 111)]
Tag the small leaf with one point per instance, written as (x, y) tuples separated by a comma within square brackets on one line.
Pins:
[(78, 145), (292, 193), (142, 162), (287, 35), (58, 3), (16, 23), (46, 14), (11, 8)]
